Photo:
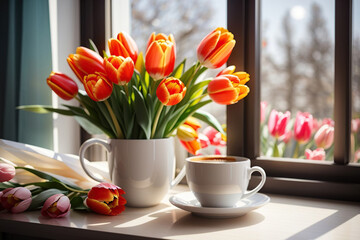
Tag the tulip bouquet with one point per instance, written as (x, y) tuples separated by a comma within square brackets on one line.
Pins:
[(300, 137), (128, 95), (54, 197)]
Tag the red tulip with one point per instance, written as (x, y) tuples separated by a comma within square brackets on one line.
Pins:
[(97, 87), (324, 137), (106, 199), (226, 89), (243, 76), (7, 172), (119, 69), (160, 59), (170, 91), (85, 62), (123, 46), (160, 36), (16, 200), (303, 127), (215, 49), (278, 122), (192, 146), (317, 154), (56, 206), (62, 85)]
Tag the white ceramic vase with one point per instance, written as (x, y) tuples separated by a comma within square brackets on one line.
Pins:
[(145, 169)]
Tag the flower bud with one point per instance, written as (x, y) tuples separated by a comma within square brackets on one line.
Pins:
[(56, 206)]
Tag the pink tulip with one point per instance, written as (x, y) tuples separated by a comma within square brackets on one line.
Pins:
[(16, 200), (328, 121), (204, 140), (286, 137), (263, 106), (324, 137), (355, 125), (56, 206), (214, 136), (303, 127), (317, 154), (7, 172), (277, 123)]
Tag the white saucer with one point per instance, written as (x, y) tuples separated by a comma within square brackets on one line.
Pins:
[(188, 202)]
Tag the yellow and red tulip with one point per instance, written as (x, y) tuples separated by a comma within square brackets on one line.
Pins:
[(215, 49), (160, 36), (193, 122), (186, 133), (98, 87), (62, 85), (170, 91), (226, 89), (160, 59), (192, 146), (119, 69), (243, 76), (106, 199), (123, 46), (84, 62)]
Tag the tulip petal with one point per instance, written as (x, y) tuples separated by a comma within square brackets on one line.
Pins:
[(207, 45), (98, 207), (220, 56), (63, 203), (22, 206), (22, 193)]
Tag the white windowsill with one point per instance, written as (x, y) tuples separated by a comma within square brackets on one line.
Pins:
[(283, 218)]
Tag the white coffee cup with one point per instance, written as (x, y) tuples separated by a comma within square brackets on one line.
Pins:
[(219, 181)]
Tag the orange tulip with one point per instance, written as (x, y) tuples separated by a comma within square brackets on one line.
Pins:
[(186, 133), (160, 59), (193, 122), (106, 199), (119, 69), (192, 146), (170, 91), (62, 85), (123, 46), (97, 87), (160, 36), (243, 76), (215, 49), (226, 89), (84, 62)]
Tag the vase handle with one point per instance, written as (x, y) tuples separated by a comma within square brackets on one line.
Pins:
[(178, 178), (82, 151)]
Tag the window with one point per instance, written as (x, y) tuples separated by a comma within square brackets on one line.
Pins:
[(339, 180)]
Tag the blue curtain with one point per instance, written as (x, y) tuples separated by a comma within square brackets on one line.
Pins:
[(25, 57)]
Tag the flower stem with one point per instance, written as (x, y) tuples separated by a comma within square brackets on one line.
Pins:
[(156, 120), (119, 133), (296, 152)]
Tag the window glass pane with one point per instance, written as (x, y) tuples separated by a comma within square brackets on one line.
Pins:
[(189, 22), (355, 136), (297, 79)]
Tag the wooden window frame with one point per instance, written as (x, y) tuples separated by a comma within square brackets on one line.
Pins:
[(333, 180)]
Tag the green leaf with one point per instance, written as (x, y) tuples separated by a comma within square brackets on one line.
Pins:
[(39, 200), (142, 114), (77, 203), (179, 70), (209, 119), (93, 46), (4, 185), (91, 128), (45, 109), (48, 185)]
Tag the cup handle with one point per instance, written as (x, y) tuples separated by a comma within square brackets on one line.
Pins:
[(82, 151), (178, 178), (260, 185)]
